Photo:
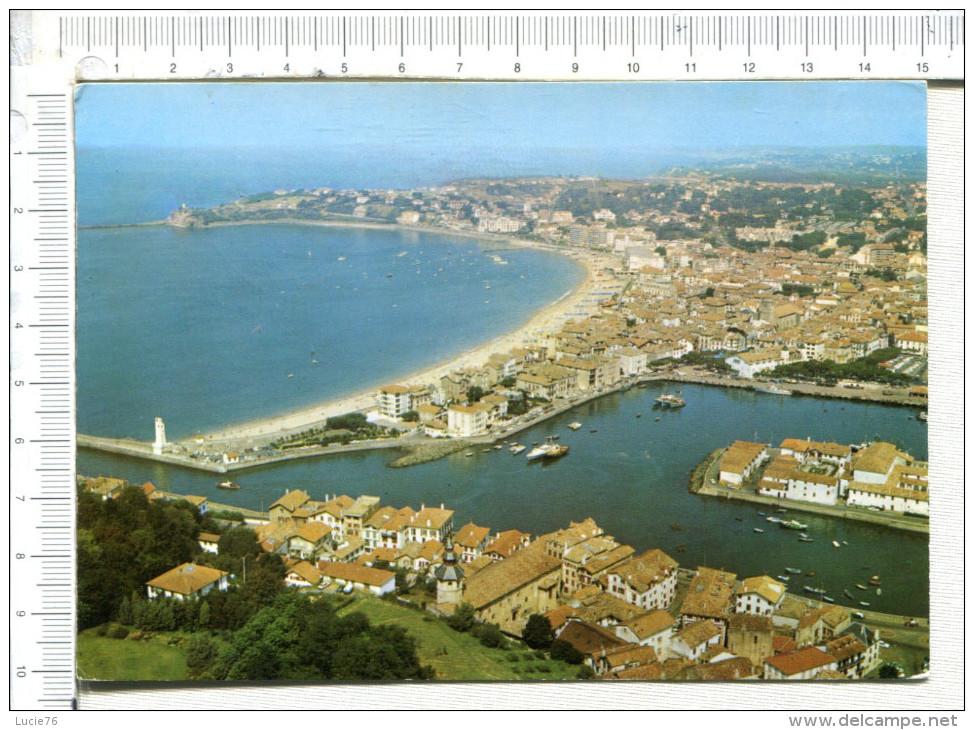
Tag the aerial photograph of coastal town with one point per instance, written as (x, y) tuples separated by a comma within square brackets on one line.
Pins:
[(514, 382)]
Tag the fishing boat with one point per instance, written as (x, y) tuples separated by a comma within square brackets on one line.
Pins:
[(792, 525), (657, 418), (803, 538), (835, 543), (879, 591), (864, 603), (758, 530), (772, 390), (785, 578), (828, 599), (793, 571), (518, 449), (816, 591), (593, 430), (762, 513), (574, 425), (848, 594), (469, 453), (874, 582), (772, 518), (861, 587), (922, 416), (499, 446), (227, 485), (549, 450), (668, 400)]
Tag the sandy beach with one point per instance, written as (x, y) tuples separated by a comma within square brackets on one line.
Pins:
[(573, 305)]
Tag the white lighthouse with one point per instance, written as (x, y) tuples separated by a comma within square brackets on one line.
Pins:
[(160, 441)]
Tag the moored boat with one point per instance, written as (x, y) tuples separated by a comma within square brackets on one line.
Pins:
[(227, 485), (547, 451), (816, 591), (793, 525), (574, 425), (835, 543), (772, 390), (793, 571), (758, 530), (861, 587), (803, 538)]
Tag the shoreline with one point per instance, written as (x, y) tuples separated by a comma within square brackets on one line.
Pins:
[(544, 321)]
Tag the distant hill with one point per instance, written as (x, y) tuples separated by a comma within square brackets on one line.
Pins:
[(849, 165)]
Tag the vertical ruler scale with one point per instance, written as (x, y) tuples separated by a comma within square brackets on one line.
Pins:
[(42, 563)]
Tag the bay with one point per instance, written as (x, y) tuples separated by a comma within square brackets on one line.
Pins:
[(631, 476), (224, 325)]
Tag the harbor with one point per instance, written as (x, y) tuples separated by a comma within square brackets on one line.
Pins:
[(639, 477)]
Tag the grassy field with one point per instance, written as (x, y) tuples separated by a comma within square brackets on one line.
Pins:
[(457, 656), (121, 659)]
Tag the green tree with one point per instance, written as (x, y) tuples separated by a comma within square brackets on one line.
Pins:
[(201, 654), (889, 670), (474, 393), (489, 635), (410, 416), (565, 652), (463, 618), (538, 633)]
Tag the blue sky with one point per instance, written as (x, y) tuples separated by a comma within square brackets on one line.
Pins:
[(458, 117)]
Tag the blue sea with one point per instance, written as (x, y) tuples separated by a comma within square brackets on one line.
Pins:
[(224, 325)]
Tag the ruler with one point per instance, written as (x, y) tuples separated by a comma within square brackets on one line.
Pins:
[(42, 564), (526, 46), (52, 51)]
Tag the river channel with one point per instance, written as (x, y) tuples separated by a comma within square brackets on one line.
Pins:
[(628, 468)]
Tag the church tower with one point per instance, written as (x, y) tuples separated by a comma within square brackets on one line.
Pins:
[(160, 441), (449, 577)]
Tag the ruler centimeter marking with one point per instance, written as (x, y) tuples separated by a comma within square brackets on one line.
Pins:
[(140, 46)]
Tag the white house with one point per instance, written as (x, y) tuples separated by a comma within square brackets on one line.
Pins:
[(380, 582), (654, 628), (647, 580), (758, 596), (693, 640), (739, 462), (750, 363), (187, 581), (465, 421)]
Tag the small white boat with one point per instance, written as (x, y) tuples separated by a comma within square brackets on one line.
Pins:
[(758, 530), (574, 425), (835, 543)]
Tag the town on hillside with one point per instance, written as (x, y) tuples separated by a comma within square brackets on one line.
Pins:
[(625, 615), (815, 283)]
